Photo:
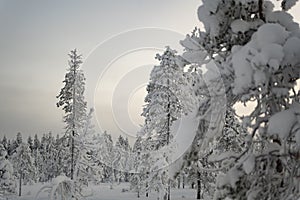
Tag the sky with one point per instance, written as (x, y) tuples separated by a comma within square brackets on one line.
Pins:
[(118, 40)]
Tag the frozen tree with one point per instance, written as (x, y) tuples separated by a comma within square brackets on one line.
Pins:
[(36, 156), (24, 165), (7, 182), (19, 138), (72, 101), (85, 167), (5, 142), (122, 151), (166, 98), (255, 50), (170, 95), (103, 155), (138, 175), (12, 146), (36, 142), (48, 154), (30, 143)]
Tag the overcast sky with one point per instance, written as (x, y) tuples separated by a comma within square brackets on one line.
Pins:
[(117, 38), (37, 35)]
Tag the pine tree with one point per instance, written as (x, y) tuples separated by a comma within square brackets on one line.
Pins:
[(136, 179), (50, 157), (106, 153), (122, 151), (30, 143), (167, 99), (5, 142), (23, 165), (36, 142), (12, 147), (19, 138), (7, 182), (85, 168), (72, 101)]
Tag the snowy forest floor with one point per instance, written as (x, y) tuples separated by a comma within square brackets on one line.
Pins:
[(103, 192)]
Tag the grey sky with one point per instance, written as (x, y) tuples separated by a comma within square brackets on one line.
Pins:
[(37, 35)]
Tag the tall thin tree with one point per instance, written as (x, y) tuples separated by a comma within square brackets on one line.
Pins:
[(71, 99)]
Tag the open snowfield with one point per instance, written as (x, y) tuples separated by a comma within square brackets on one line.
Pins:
[(103, 192)]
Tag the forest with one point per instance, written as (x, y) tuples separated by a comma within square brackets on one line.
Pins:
[(248, 52)]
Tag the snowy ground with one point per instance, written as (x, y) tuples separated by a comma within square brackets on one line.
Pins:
[(103, 192)]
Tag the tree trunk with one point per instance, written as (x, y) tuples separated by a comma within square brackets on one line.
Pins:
[(72, 154), (20, 184), (183, 180), (169, 190), (198, 186), (260, 10), (178, 182), (147, 194), (73, 128)]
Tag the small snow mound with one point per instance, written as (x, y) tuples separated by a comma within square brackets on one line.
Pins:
[(60, 179), (271, 33), (282, 122)]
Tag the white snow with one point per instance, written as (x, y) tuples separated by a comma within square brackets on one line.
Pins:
[(281, 123), (291, 51), (270, 48), (243, 71), (240, 26), (103, 192), (195, 56), (249, 164), (184, 131), (271, 33), (190, 43), (297, 137)]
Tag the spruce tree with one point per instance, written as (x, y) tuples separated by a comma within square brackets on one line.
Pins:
[(168, 98), (7, 182), (24, 165), (71, 99)]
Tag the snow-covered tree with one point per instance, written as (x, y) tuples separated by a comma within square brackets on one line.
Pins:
[(103, 155), (85, 168), (5, 142), (36, 142), (30, 143), (71, 99), (7, 182), (122, 150), (138, 174), (19, 138), (63, 155), (24, 165), (255, 49), (166, 99), (169, 96)]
